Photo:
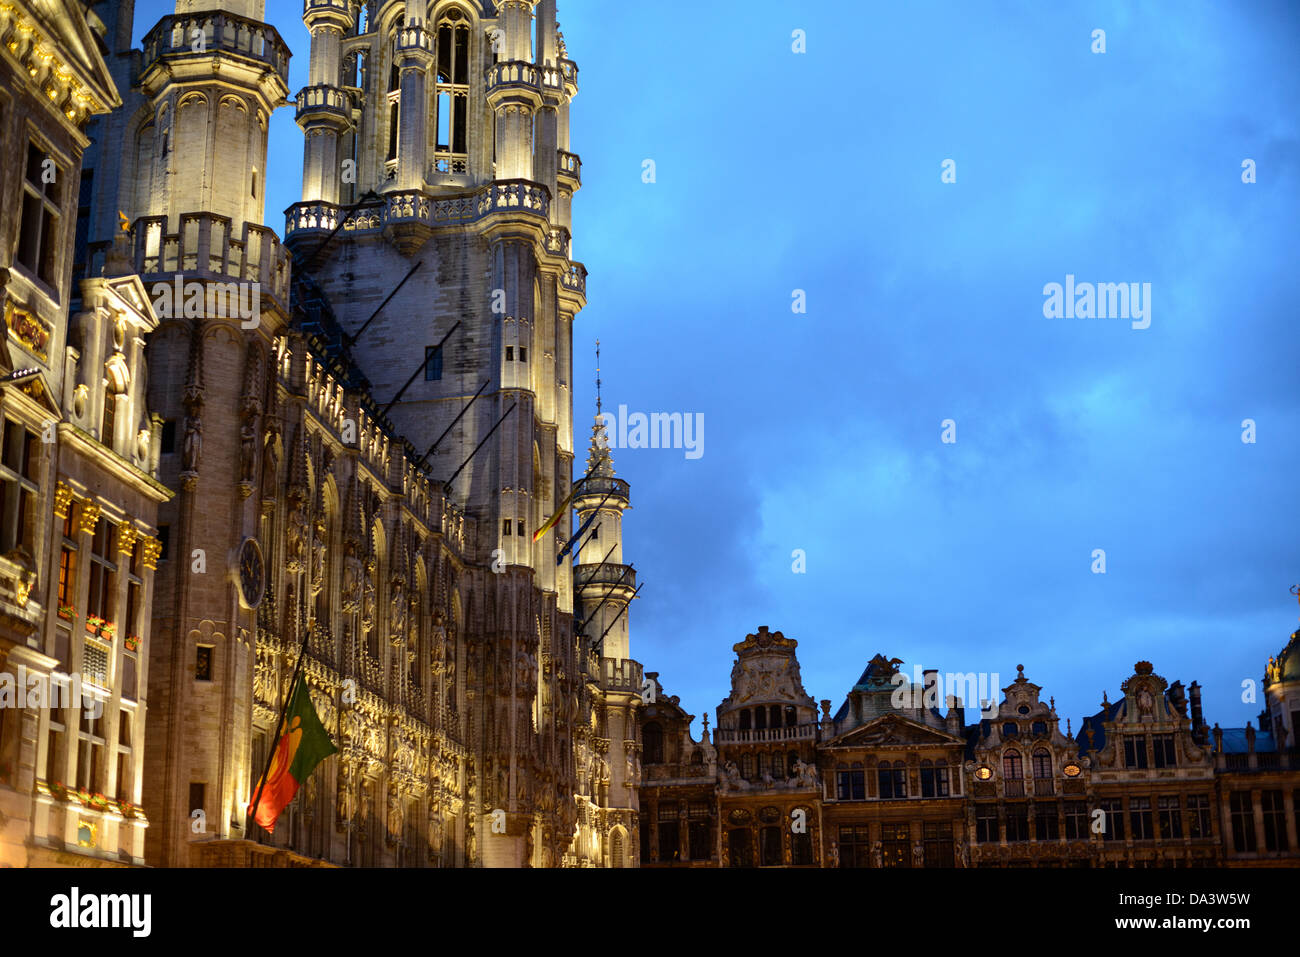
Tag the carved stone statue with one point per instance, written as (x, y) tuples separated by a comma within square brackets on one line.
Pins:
[(918, 854), (435, 834), (296, 537), (805, 774), (731, 777), (397, 611), (347, 800), (364, 809), (351, 579), (247, 454), (318, 555), (439, 649), (368, 598), (877, 855), (394, 816), (962, 851), (193, 450)]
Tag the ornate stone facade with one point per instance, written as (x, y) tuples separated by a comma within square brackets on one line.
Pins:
[(891, 780), (79, 489), (342, 490)]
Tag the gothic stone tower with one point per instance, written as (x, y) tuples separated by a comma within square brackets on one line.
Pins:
[(436, 190), (194, 151), (605, 587)]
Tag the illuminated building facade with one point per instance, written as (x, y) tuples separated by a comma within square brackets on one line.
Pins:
[(339, 479), (79, 490), (893, 780)]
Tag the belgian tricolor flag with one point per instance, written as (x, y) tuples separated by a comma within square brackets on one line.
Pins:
[(302, 745)]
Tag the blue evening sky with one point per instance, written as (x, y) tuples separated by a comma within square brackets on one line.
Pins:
[(820, 171)]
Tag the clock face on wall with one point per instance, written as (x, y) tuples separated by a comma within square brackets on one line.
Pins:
[(252, 573)]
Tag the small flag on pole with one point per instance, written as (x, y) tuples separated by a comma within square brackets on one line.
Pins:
[(303, 744), (564, 506)]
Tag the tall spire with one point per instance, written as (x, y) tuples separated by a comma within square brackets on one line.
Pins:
[(600, 461)]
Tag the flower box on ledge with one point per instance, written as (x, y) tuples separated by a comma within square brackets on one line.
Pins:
[(98, 626), (67, 612), (132, 642)]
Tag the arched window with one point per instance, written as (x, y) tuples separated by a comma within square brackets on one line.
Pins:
[(1010, 730), (1042, 763), (1012, 768), (760, 718), (451, 92), (774, 716), (747, 766), (770, 846), (652, 743), (744, 720), (791, 717)]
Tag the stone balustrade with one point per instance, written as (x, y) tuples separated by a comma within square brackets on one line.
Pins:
[(415, 206), (559, 242), (620, 674), (575, 278), (799, 732), (569, 168), (607, 574), (204, 249), (175, 36), (323, 100)]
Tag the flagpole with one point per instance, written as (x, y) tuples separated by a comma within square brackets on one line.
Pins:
[(284, 709)]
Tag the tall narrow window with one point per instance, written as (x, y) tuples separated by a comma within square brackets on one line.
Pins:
[(700, 831), (1274, 820), (90, 751), (203, 663), (109, 424), (432, 363), (1242, 813), (652, 743), (38, 231), (451, 154), (1139, 812), (1013, 783), (394, 111), (669, 832), (1135, 751), (102, 602), (20, 461), (1171, 817)]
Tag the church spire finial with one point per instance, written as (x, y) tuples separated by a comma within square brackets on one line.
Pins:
[(598, 459)]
